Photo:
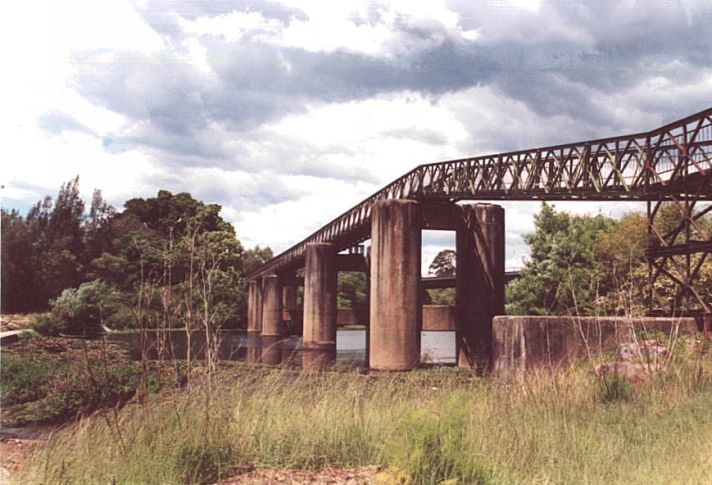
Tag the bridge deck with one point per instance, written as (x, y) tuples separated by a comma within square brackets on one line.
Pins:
[(672, 160)]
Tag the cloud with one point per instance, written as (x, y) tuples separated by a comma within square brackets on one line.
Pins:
[(288, 113)]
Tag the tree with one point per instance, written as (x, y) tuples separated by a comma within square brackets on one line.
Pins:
[(256, 257), (18, 284), (561, 278), (97, 227), (60, 249), (443, 264), (352, 287)]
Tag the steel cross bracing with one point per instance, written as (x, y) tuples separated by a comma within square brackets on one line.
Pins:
[(673, 162)]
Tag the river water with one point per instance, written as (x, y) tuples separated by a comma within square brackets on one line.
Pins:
[(436, 347)]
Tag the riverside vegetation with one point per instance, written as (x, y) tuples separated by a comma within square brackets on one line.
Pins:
[(426, 426)]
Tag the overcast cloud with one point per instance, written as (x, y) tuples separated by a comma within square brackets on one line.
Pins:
[(289, 112)]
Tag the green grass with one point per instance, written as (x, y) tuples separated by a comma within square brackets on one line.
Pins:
[(432, 425)]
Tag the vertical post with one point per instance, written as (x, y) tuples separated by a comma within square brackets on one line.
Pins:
[(320, 296), (395, 318), (480, 282), (254, 306), (271, 306)]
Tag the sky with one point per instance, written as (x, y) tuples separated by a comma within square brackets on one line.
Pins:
[(287, 113)]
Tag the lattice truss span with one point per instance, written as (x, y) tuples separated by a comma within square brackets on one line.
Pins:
[(668, 166)]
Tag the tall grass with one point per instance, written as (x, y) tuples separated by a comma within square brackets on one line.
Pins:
[(431, 425)]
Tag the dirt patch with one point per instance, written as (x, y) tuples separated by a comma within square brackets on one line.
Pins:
[(336, 476), (17, 445), (16, 321)]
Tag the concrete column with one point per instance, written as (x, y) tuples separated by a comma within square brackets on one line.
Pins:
[(480, 282), (271, 306), (318, 359), (320, 290), (254, 306), (395, 318)]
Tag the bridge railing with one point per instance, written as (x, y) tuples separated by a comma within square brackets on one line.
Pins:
[(673, 158)]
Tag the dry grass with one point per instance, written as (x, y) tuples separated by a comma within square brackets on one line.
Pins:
[(433, 425)]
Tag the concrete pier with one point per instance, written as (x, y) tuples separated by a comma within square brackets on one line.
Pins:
[(320, 289), (318, 359), (394, 332), (271, 306), (480, 282), (254, 306), (271, 352)]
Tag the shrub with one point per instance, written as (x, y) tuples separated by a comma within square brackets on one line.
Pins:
[(80, 311), (614, 388), (49, 325)]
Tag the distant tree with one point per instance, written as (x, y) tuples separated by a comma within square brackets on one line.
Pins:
[(256, 257), (443, 264), (18, 282), (352, 288), (97, 227), (60, 251)]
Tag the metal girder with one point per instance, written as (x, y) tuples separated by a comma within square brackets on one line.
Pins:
[(673, 162)]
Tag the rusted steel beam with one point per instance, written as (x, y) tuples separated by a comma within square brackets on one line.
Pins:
[(672, 160)]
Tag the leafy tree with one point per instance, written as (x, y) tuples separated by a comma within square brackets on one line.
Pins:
[(443, 264), (352, 288), (97, 227), (256, 257), (561, 278), (18, 284)]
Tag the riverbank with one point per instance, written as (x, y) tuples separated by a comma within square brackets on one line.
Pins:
[(425, 426)]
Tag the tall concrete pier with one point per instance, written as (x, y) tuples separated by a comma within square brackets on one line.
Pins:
[(320, 290), (271, 306), (254, 306), (479, 282), (394, 334)]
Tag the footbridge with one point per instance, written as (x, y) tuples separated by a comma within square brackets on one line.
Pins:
[(671, 164)]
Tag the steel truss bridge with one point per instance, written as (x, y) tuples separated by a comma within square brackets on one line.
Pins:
[(668, 166)]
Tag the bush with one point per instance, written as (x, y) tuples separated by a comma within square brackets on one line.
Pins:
[(614, 388), (80, 311), (49, 325)]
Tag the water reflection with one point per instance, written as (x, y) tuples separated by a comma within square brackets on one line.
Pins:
[(437, 347)]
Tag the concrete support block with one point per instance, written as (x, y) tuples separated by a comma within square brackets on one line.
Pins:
[(438, 318), (271, 306), (526, 342), (254, 306), (395, 317), (320, 291), (480, 282)]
